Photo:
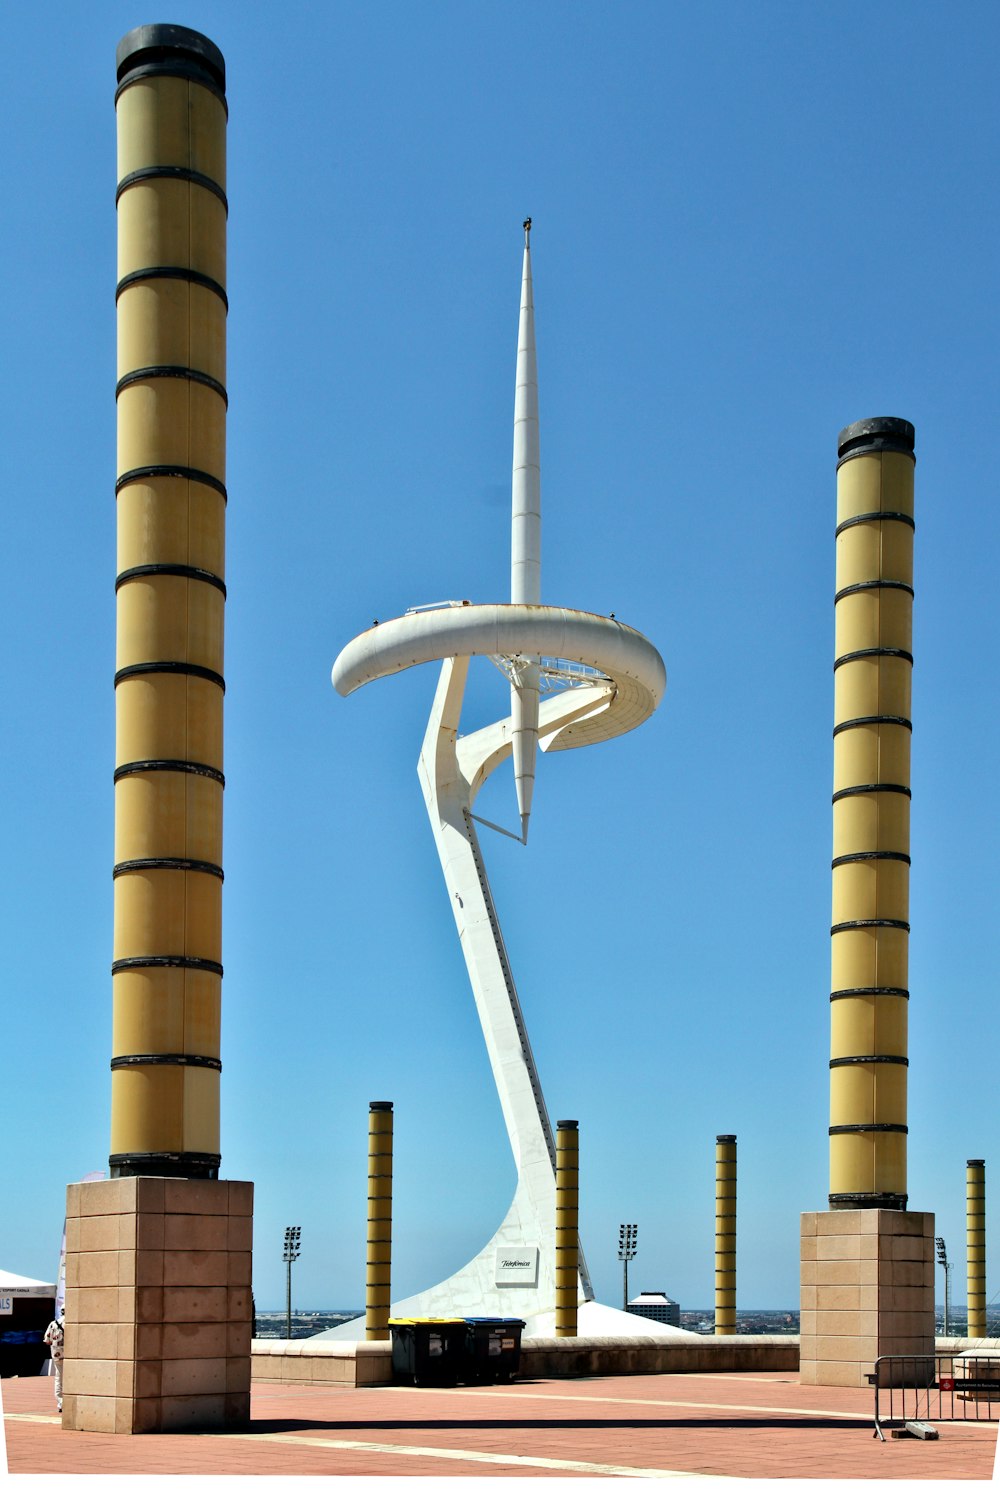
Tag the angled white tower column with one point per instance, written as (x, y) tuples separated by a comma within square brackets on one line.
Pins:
[(576, 679)]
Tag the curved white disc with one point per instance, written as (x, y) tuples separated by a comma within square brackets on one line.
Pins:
[(633, 664)]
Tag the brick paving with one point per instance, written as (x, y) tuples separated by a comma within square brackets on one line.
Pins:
[(735, 1426)]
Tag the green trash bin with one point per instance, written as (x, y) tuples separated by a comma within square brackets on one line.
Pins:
[(492, 1349), (428, 1351)]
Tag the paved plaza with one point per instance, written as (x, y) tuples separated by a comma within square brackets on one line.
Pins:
[(642, 1426)]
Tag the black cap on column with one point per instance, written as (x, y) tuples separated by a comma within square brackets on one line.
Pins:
[(170, 49), (875, 435)]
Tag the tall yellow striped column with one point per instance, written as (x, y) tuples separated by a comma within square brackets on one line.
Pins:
[(567, 1265), (975, 1244), (171, 491), (378, 1273), (725, 1234), (871, 815)]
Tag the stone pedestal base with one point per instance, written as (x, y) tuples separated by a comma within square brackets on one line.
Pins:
[(158, 1305), (867, 1291)]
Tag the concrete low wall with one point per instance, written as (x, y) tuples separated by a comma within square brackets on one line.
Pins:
[(965, 1345), (551, 1358), (311, 1362), (307, 1362)]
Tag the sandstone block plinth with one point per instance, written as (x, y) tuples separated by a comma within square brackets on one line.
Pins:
[(867, 1292), (158, 1305)]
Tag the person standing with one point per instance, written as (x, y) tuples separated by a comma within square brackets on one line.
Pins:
[(55, 1337)]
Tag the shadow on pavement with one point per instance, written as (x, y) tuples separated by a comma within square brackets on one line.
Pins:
[(556, 1424)]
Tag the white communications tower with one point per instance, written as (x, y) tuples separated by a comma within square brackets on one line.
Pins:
[(575, 679)]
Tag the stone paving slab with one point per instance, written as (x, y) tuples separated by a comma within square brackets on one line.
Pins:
[(649, 1426)]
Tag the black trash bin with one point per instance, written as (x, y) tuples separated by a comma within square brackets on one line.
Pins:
[(428, 1351), (492, 1349)]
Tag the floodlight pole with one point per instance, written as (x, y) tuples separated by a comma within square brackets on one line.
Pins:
[(942, 1255), (628, 1235), (293, 1235)]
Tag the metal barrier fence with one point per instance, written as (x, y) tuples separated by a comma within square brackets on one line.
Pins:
[(919, 1389)]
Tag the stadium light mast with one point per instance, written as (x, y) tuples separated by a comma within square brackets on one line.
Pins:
[(293, 1235), (628, 1235), (942, 1257)]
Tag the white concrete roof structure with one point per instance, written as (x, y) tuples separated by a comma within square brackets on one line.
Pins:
[(597, 1320)]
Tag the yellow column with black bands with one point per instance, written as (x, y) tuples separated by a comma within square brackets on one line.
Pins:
[(725, 1234), (567, 1266), (871, 815), (171, 499), (378, 1273), (975, 1243)]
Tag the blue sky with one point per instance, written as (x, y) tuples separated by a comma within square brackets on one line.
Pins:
[(753, 224)]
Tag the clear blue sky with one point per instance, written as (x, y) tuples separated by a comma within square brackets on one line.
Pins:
[(754, 223)]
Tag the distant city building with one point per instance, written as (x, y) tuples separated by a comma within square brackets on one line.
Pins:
[(658, 1306)]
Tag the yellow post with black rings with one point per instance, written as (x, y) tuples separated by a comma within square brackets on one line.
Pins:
[(378, 1273), (171, 499), (567, 1261), (725, 1234), (871, 815), (975, 1245)]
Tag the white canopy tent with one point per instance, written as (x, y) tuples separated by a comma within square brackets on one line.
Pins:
[(21, 1323), (12, 1285)]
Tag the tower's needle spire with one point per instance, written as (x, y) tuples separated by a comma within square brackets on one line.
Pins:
[(526, 538)]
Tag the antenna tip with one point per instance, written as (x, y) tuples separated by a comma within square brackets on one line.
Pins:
[(526, 226)]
